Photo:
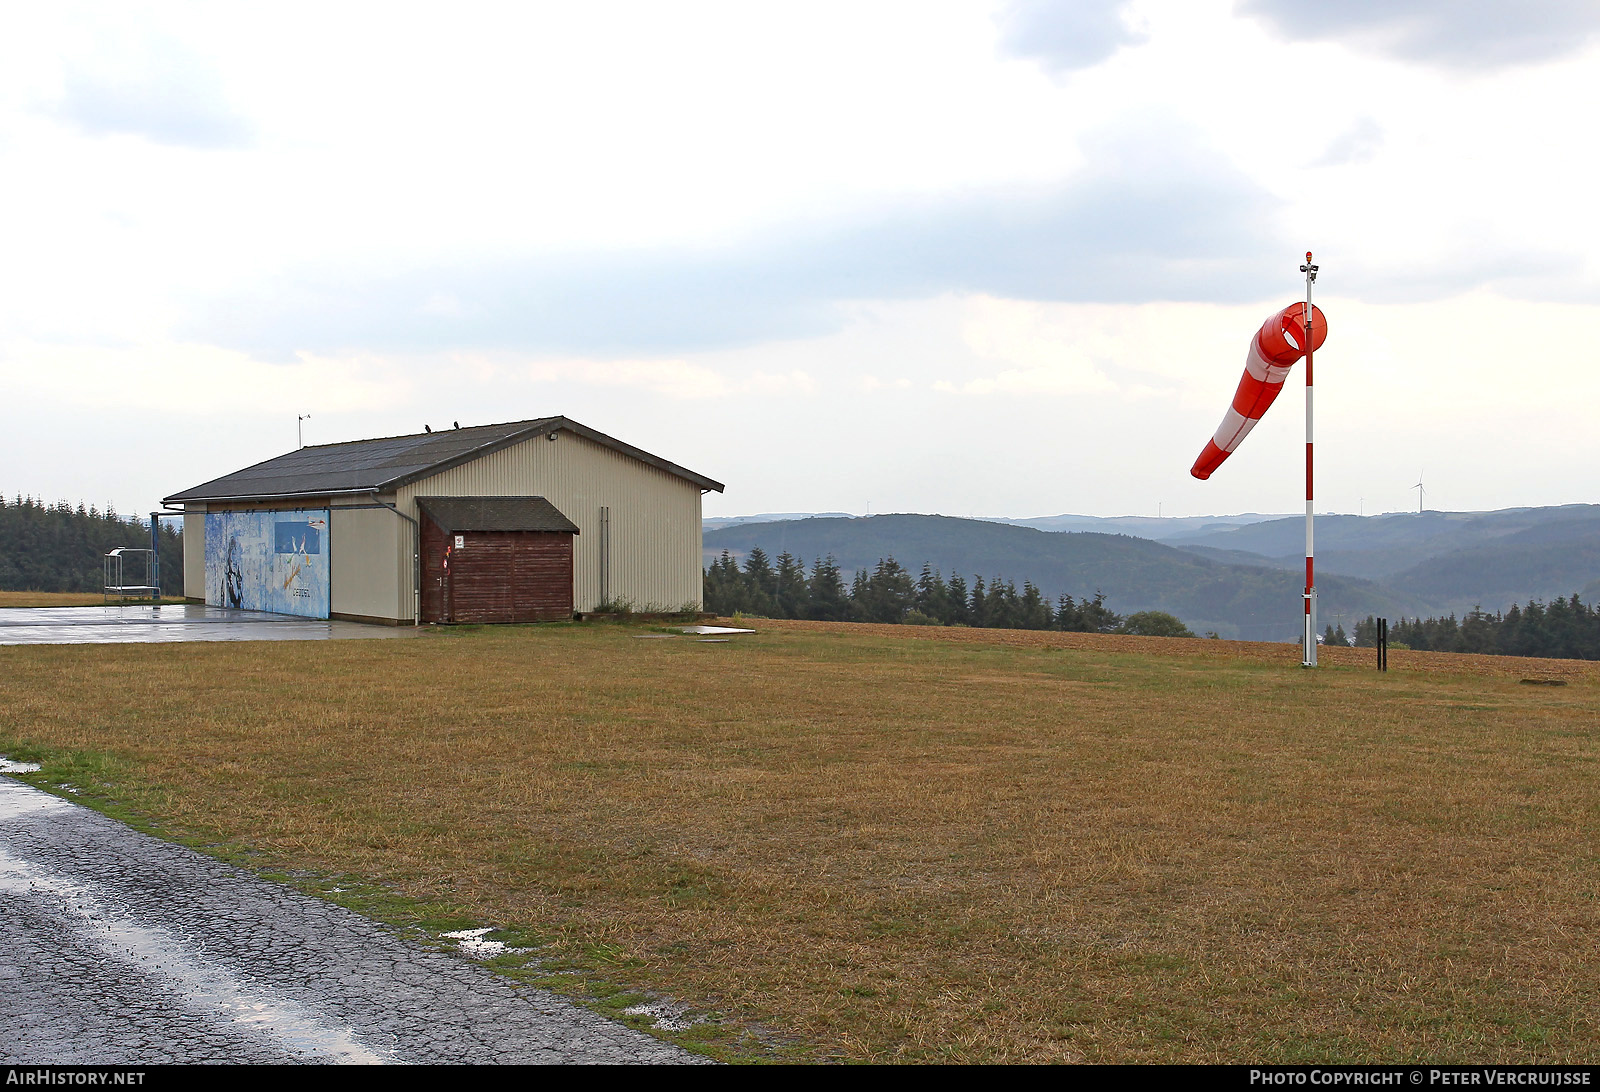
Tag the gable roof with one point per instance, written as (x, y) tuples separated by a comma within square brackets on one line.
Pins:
[(454, 514), (383, 465)]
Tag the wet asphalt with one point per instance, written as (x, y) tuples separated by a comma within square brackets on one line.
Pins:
[(118, 948), (141, 623)]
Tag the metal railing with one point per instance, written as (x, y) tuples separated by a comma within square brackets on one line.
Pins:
[(117, 575)]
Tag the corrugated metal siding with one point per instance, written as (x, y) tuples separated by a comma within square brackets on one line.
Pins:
[(369, 548), (655, 516), (194, 553)]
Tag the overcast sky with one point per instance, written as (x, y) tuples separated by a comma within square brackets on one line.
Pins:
[(973, 258)]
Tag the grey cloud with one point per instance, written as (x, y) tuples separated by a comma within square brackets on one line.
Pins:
[(1156, 218), (159, 91), (1064, 36), (1462, 34)]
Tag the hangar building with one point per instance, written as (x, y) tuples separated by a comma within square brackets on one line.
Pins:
[(525, 521)]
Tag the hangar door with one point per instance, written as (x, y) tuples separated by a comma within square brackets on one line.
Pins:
[(495, 559), (273, 560)]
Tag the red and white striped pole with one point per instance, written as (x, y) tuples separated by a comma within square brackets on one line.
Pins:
[(1310, 648)]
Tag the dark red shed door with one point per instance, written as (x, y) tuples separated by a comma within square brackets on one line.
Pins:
[(496, 576)]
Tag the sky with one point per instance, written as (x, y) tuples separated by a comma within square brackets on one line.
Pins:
[(972, 258)]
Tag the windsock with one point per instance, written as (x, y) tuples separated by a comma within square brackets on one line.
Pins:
[(1273, 351)]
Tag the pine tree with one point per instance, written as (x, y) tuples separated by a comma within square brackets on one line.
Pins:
[(1035, 612), (890, 592), (956, 601), (932, 595), (790, 587), (826, 598), (860, 597), (761, 584), (61, 548), (1068, 618), (1097, 617)]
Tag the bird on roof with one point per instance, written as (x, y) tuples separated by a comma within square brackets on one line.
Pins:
[(456, 423), (427, 428)]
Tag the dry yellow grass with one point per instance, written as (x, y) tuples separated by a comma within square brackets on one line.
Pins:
[(920, 844), (59, 599)]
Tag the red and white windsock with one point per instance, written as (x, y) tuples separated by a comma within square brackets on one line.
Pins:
[(1274, 350)]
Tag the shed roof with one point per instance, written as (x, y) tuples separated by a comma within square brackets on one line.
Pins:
[(383, 465), (495, 514)]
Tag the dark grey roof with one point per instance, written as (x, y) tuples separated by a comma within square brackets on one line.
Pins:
[(381, 466), (495, 514)]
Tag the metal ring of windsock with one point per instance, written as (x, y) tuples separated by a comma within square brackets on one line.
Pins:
[(1277, 347)]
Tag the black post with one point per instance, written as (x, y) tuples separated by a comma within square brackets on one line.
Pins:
[(155, 557), (1383, 644)]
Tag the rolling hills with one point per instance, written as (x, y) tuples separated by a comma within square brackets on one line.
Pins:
[(1256, 602)]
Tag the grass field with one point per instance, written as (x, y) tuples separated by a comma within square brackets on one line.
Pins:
[(63, 599), (900, 844)]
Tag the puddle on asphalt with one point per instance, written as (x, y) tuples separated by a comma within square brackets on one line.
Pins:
[(708, 631), (664, 1015), (155, 952), (471, 942), (17, 800), (8, 766)]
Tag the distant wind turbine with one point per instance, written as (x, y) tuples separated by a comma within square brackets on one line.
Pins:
[(1421, 492)]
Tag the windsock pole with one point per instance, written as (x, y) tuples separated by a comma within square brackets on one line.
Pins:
[(1309, 658)]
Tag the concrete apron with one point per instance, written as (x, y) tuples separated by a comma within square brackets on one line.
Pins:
[(135, 624)]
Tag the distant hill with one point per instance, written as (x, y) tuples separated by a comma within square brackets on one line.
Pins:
[(1513, 571), (1152, 527), (1255, 602), (712, 523), (1452, 560), (1161, 529), (1379, 546)]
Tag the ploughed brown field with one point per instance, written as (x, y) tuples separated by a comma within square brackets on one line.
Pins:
[(899, 843)]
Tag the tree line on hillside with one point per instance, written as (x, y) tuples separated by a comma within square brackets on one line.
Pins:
[(889, 593), (1563, 629), (59, 548)]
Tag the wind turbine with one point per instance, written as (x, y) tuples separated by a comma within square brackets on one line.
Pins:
[(1421, 492)]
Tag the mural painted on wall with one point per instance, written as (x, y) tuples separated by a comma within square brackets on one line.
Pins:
[(271, 561)]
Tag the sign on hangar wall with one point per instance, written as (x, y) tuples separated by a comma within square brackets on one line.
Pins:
[(269, 561)]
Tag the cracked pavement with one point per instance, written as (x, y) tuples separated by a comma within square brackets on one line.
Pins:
[(119, 948)]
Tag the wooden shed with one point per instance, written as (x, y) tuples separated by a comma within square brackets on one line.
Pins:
[(495, 559)]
